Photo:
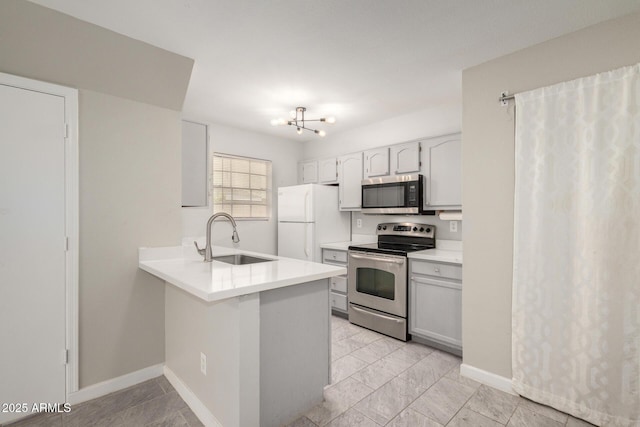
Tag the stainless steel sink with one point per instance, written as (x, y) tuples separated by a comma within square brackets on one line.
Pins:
[(240, 259)]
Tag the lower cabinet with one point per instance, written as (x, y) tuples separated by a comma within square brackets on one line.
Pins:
[(435, 303), (338, 284)]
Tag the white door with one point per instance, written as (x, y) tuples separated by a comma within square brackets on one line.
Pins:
[(350, 181), (445, 180), (295, 204), (328, 170), (376, 162), (295, 240), (194, 164), (435, 310), (32, 248), (405, 158), (310, 172)]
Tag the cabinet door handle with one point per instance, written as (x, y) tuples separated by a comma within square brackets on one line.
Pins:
[(437, 270)]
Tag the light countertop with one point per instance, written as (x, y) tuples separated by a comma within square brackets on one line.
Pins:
[(339, 246), (445, 251), (439, 255), (343, 246), (183, 267)]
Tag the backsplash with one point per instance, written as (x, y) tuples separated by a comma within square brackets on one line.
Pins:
[(369, 223)]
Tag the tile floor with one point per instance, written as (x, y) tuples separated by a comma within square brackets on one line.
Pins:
[(151, 403), (377, 381), (380, 381)]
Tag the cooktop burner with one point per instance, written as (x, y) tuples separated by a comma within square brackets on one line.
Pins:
[(400, 239)]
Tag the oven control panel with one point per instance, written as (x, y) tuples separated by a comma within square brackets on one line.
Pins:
[(406, 229)]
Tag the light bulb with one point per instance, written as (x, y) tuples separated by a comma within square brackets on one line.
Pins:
[(321, 133), (278, 122), (292, 114), (299, 131), (331, 120)]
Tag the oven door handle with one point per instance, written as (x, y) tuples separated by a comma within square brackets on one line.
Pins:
[(375, 258), (377, 314)]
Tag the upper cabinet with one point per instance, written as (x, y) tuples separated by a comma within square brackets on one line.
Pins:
[(376, 162), (309, 172), (405, 158), (439, 159), (194, 164), (328, 171), (349, 181), (443, 169)]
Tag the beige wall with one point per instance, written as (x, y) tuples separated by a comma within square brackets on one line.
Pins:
[(488, 171), (43, 44), (129, 172), (129, 197)]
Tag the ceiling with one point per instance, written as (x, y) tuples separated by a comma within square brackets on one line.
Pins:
[(360, 60)]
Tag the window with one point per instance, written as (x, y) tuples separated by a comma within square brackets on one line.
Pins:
[(242, 186)]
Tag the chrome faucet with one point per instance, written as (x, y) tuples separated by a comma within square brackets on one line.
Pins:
[(207, 249)]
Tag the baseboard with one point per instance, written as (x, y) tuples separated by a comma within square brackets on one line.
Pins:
[(114, 384), (202, 412), (487, 378)]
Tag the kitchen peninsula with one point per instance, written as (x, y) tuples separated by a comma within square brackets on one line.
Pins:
[(245, 344)]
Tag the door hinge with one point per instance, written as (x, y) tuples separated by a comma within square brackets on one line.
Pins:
[(66, 130), (66, 244), (65, 357)]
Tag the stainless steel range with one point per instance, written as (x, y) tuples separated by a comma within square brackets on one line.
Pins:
[(377, 281)]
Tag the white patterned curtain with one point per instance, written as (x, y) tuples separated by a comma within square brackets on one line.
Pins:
[(576, 275)]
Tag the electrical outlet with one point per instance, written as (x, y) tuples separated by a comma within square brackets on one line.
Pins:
[(203, 364), (453, 226), (359, 223)]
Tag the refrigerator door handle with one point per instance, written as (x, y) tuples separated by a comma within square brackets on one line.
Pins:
[(306, 210), (306, 253)]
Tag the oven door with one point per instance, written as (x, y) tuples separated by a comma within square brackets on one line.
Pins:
[(378, 281)]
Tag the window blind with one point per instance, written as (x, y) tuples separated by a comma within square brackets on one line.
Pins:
[(242, 186)]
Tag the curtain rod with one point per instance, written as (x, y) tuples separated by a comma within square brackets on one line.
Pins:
[(505, 97)]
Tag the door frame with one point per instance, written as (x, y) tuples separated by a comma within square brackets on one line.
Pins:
[(71, 177)]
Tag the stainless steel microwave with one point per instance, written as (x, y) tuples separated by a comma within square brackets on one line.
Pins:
[(399, 194)]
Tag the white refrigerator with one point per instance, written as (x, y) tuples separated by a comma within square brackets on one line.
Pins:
[(308, 216)]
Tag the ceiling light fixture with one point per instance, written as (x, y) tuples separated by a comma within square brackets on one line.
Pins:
[(298, 120)]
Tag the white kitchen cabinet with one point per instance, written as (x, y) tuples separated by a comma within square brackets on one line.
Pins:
[(376, 162), (435, 303), (194, 164), (328, 171), (309, 172), (405, 158), (443, 169), (338, 296), (350, 181)]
